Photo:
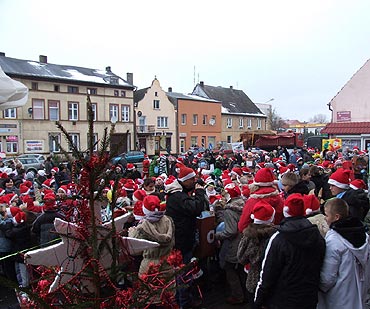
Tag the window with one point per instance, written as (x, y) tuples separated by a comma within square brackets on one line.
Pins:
[(116, 93), (73, 111), (182, 145), (75, 137), (162, 122), (56, 88), (95, 141), (249, 123), (38, 109), (125, 111), (229, 139), (10, 113), (123, 93), (72, 89), (54, 142), (156, 94), (94, 110), (113, 111), (92, 91), (183, 119), (156, 104), (241, 122), (259, 124), (34, 86), (195, 119), (203, 141), (12, 147), (194, 141), (53, 110), (229, 123), (211, 142), (205, 119)]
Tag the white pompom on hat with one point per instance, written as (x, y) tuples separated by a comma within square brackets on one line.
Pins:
[(294, 206)]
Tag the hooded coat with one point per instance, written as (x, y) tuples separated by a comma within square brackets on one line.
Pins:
[(345, 273), (290, 274)]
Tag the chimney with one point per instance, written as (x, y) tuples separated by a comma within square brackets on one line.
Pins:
[(43, 59), (231, 87), (108, 69), (169, 89), (202, 84), (2, 54), (130, 78)]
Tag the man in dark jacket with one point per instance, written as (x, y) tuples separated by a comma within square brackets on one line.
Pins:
[(290, 274), (184, 208)]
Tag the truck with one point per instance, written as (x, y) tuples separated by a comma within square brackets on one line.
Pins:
[(271, 140)]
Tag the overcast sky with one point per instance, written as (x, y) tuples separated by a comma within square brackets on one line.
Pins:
[(301, 53)]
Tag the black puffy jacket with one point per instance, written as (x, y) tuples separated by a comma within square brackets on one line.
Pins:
[(290, 273)]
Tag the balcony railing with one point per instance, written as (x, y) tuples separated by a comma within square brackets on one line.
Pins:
[(145, 129)]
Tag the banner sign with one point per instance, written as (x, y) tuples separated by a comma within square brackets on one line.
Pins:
[(332, 144)]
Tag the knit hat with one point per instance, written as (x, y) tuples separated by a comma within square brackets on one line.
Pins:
[(19, 218), (30, 175), (41, 172), (294, 206), (185, 173), (130, 166), (264, 177), (340, 178), (358, 184), (233, 190), (263, 213), (152, 203), (138, 210), (311, 203)]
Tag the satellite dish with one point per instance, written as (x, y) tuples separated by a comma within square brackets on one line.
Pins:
[(139, 113), (212, 121)]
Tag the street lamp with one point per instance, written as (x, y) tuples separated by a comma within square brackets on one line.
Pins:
[(113, 121), (272, 99)]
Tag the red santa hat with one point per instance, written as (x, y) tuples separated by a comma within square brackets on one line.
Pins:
[(130, 185), (49, 201), (27, 183), (12, 211), (282, 170), (130, 166), (264, 177), (19, 218), (233, 190), (24, 190), (139, 182), (358, 184), (180, 160), (152, 203), (340, 178), (48, 183), (139, 195), (185, 173), (236, 171), (311, 203), (291, 167), (214, 198), (263, 213), (169, 180), (55, 170), (138, 210), (246, 170), (9, 198), (146, 163), (246, 192), (294, 206), (64, 189)]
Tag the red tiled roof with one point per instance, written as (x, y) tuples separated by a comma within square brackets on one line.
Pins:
[(347, 128)]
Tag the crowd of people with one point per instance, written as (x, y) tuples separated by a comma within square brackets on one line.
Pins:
[(290, 228)]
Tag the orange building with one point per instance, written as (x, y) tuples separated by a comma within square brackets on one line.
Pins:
[(198, 121)]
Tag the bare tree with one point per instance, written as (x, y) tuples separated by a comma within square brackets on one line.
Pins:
[(319, 118), (275, 121)]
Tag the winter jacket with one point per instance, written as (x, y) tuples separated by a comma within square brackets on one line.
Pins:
[(345, 273), (162, 232), (20, 236), (5, 243), (291, 266), (251, 251), (230, 236), (270, 195), (43, 226), (184, 209)]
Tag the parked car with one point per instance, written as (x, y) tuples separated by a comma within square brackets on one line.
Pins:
[(39, 157), (132, 156), (29, 164)]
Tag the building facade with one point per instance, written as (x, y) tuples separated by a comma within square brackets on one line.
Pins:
[(59, 93), (155, 120), (238, 114)]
